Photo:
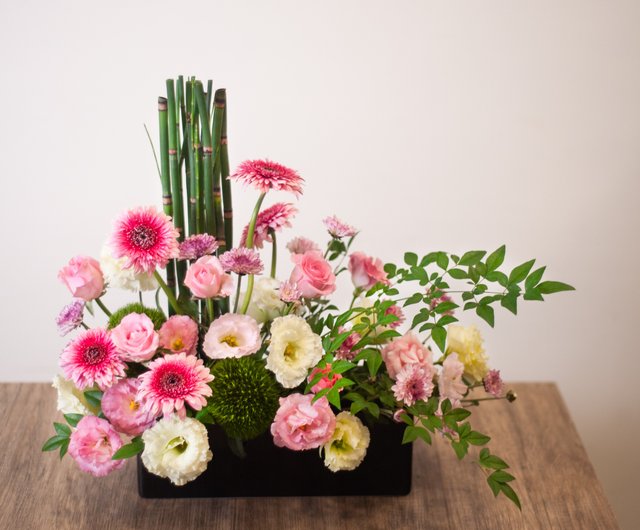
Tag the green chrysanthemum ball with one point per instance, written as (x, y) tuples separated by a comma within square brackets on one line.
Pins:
[(156, 316), (245, 397)]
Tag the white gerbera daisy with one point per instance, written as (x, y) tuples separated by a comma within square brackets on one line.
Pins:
[(294, 349), (176, 449), (117, 276), (348, 446), (70, 399)]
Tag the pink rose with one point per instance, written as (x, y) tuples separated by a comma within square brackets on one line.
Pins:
[(405, 350), (300, 424), (179, 334), (312, 275), (206, 278), (134, 338), (120, 407), (83, 277), (325, 381), (366, 271), (92, 444)]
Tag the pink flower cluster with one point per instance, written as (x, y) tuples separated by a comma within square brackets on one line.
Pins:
[(300, 424)]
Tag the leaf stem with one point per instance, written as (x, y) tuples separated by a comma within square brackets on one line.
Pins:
[(103, 307)]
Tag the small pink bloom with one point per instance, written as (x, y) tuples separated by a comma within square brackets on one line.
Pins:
[(179, 334), (300, 424), (135, 338), (173, 381), (92, 444), (347, 349), (83, 277), (121, 408), (326, 381), (206, 278), (272, 219), (313, 275), (338, 229), (403, 351), (414, 382), (232, 335), (289, 292), (395, 310), (493, 383), (242, 260), (300, 245), (450, 382), (70, 317), (366, 271), (265, 175), (435, 302), (196, 246), (397, 415), (91, 358)]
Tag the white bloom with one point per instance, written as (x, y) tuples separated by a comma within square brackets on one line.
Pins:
[(293, 350), (70, 399), (265, 300), (232, 335), (348, 446), (176, 449), (117, 276)]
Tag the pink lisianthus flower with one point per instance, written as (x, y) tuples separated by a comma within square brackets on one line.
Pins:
[(300, 424), (206, 278), (92, 444), (414, 382), (339, 229), (121, 408), (91, 358), (300, 245), (135, 338), (179, 334), (272, 219), (173, 381), (346, 350), (232, 335), (450, 382), (326, 381), (403, 351), (312, 275), (493, 384), (196, 246), (146, 238), (366, 271), (83, 277), (265, 175)]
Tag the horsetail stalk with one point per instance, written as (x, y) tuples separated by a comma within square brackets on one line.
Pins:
[(192, 176), (218, 115), (224, 175), (207, 152)]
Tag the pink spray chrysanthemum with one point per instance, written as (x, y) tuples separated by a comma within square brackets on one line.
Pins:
[(274, 218), (242, 260), (196, 246), (337, 228), (413, 383), (396, 311), (146, 238), (493, 383), (70, 317), (346, 350), (172, 381), (265, 175), (289, 292), (439, 299), (91, 358), (300, 245)]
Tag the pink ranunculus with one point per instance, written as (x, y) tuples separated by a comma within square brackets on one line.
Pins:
[(405, 350), (83, 277), (134, 338), (121, 408), (206, 278), (300, 424), (325, 381), (366, 271), (92, 444), (312, 275), (179, 334)]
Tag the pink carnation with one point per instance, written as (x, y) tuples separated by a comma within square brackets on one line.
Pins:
[(493, 383), (366, 271), (414, 382), (338, 229), (300, 424), (450, 382), (242, 260), (312, 275), (91, 358), (300, 245), (395, 310), (83, 277), (232, 335), (403, 351), (92, 444), (347, 349), (121, 408), (326, 381), (172, 381), (272, 219), (265, 175), (135, 338), (196, 246), (179, 334), (206, 278)]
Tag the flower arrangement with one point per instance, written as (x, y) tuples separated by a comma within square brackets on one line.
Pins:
[(274, 357)]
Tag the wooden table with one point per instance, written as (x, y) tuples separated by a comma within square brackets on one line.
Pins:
[(556, 482)]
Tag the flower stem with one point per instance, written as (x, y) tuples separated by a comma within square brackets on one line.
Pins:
[(103, 307), (172, 297), (84, 325), (274, 253), (235, 303), (212, 315), (249, 244)]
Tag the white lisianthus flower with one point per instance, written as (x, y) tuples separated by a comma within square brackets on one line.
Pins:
[(176, 449), (70, 399), (265, 300), (467, 343), (117, 276), (348, 446), (293, 351)]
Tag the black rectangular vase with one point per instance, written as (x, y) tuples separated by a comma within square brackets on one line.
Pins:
[(270, 471)]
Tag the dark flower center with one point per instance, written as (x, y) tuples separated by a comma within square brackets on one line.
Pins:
[(142, 237), (94, 355), (172, 383)]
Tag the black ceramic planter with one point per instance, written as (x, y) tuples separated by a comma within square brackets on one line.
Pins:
[(270, 471)]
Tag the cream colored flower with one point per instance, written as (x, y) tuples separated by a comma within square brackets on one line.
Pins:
[(467, 343), (117, 276), (70, 399), (348, 446), (293, 351), (265, 300), (176, 449)]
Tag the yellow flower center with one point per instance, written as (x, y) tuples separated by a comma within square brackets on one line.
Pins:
[(290, 352), (177, 344), (133, 405), (231, 340)]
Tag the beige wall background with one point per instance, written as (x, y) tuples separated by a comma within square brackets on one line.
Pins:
[(430, 125)]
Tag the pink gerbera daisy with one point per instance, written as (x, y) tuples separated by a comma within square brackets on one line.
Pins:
[(265, 175), (172, 381), (242, 260), (339, 229), (196, 246), (91, 358), (274, 218), (413, 383), (146, 237)]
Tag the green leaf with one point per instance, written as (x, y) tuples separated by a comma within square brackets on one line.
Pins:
[(63, 448), (459, 414), (533, 294), (54, 442), (461, 448), (534, 278), (477, 438), (443, 307), (485, 312), (439, 336), (495, 486), (442, 260), (413, 299), (73, 419), (358, 406), (497, 276), (410, 258), (373, 409), (511, 495), (334, 397), (492, 461), (446, 406), (412, 433), (502, 476), (472, 257), (458, 274), (374, 361), (510, 302), (131, 449), (62, 429), (496, 258), (390, 269), (521, 271), (204, 416), (446, 320), (554, 287), (94, 398)]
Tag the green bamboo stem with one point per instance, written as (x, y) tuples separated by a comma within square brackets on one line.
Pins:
[(274, 252), (192, 175), (103, 307), (249, 244), (173, 302), (182, 119), (209, 94), (207, 152), (216, 134), (224, 174)]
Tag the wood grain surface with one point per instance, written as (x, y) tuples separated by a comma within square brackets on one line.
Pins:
[(556, 482)]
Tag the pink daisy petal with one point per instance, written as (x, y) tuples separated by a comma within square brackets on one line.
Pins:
[(339, 229), (274, 218), (242, 260), (265, 175)]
